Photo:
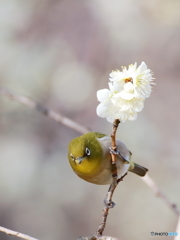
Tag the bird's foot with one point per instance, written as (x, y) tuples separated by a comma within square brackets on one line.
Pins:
[(114, 151), (109, 203)]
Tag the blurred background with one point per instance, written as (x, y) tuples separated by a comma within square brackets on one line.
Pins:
[(60, 53)]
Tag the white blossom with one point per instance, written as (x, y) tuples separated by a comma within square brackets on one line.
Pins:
[(132, 82), (126, 94)]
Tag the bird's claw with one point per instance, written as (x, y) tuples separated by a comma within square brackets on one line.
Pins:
[(114, 151), (109, 204)]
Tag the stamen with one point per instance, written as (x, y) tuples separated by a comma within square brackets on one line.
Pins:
[(128, 80)]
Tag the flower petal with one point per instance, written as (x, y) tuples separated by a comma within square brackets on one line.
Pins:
[(126, 95), (103, 95), (142, 67), (101, 110)]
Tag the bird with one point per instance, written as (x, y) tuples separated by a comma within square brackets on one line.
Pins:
[(90, 158)]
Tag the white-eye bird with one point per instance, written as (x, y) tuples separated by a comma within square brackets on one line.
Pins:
[(90, 158)]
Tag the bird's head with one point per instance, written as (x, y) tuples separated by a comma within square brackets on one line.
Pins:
[(85, 153)]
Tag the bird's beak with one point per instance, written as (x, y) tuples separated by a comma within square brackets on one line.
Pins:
[(79, 160)]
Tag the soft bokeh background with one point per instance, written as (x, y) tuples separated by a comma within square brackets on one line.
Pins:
[(60, 53)]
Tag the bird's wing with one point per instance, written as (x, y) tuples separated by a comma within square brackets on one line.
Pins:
[(123, 151)]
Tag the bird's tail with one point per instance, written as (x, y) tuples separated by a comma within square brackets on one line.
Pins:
[(138, 169)]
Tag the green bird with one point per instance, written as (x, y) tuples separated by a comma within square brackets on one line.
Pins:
[(90, 158)]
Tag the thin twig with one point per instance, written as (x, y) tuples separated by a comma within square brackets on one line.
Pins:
[(113, 137), (44, 110), (17, 234), (149, 181), (108, 203)]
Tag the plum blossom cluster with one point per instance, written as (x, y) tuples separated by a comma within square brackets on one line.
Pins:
[(127, 92)]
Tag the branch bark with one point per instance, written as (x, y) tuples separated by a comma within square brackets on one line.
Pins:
[(108, 203), (44, 110), (17, 234)]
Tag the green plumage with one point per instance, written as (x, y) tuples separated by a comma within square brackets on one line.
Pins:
[(90, 158)]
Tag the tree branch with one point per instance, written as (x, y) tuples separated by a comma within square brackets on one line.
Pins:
[(17, 234), (107, 205), (113, 137), (44, 110)]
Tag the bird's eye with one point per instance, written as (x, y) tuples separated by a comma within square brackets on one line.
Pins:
[(88, 152), (73, 158)]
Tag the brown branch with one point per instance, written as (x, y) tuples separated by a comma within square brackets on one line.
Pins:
[(113, 151), (44, 110), (17, 234), (107, 205), (113, 137)]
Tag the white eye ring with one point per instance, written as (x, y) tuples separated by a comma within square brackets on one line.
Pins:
[(73, 158), (88, 152)]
